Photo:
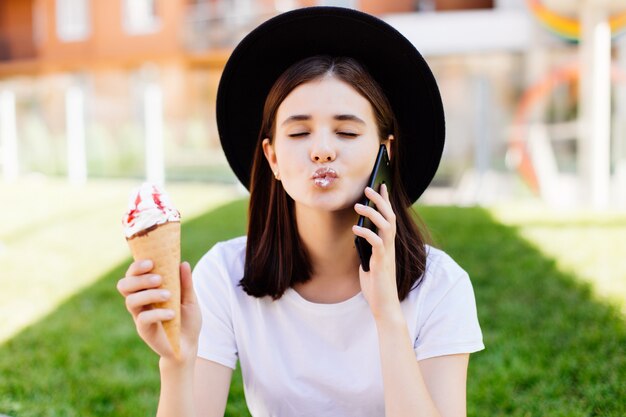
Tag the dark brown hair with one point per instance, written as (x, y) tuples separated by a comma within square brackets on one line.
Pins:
[(276, 259)]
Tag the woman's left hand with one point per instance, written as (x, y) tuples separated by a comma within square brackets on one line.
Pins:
[(378, 285)]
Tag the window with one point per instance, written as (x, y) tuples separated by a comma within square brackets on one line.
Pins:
[(140, 16), (73, 20)]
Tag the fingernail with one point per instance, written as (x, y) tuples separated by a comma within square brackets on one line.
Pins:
[(165, 294), (145, 264), (170, 314), (155, 279)]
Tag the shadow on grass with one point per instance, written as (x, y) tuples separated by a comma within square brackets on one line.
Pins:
[(552, 350)]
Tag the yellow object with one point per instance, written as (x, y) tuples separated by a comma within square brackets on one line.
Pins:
[(568, 27)]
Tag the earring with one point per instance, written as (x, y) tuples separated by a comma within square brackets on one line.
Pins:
[(276, 174)]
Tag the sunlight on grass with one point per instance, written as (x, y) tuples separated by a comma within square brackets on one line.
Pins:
[(587, 244), (552, 349), (61, 238)]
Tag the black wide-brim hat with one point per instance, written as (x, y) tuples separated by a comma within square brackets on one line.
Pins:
[(266, 52)]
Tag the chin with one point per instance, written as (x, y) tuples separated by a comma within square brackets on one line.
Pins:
[(331, 204), (335, 199)]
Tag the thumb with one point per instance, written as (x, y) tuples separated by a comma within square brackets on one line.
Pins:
[(187, 295)]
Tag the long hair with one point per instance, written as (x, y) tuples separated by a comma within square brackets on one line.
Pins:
[(276, 258)]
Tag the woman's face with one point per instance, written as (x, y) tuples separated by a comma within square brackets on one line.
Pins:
[(324, 123)]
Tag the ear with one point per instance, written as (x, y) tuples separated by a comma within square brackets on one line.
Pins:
[(270, 155), (387, 143)]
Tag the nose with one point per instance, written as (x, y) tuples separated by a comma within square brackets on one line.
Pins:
[(322, 150)]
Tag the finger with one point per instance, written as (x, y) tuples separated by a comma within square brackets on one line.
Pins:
[(140, 267), (136, 302), (131, 284), (389, 214), (188, 296), (371, 237), (384, 191), (150, 328), (148, 318), (373, 215), (383, 205)]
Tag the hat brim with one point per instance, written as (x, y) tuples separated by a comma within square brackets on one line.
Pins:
[(266, 52)]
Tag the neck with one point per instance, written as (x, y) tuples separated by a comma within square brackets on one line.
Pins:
[(328, 238)]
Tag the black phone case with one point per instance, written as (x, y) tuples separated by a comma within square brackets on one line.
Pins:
[(380, 174)]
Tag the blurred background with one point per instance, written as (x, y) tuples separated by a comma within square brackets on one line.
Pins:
[(97, 96), (535, 95)]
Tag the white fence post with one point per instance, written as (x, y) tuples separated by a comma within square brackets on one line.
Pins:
[(153, 128), (75, 129), (8, 136), (595, 104), (619, 133)]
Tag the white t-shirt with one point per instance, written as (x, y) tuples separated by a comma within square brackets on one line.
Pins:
[(305, 359)]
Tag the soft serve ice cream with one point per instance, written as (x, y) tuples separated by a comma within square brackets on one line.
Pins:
[(149, 206), (152, 229)]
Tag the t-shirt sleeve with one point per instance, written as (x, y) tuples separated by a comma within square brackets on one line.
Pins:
[(212, 286), (450, 322)]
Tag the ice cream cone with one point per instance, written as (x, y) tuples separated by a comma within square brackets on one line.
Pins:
[(162, 245)]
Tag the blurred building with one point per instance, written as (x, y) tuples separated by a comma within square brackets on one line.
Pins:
[(86, 84)]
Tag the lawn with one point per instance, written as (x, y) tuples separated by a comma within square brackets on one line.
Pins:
[(56, 239), (583, 243), (555, 345)]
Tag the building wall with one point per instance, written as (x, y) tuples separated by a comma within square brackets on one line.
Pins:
[(442, 5), (16, 30), (108, 39), (377, 7), (113, 69)]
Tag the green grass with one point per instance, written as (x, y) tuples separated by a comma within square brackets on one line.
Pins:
[(589, 245), (58, 239), (553, 349), (85, 359)]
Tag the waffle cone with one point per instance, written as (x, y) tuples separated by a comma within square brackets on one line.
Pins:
[(162, 246)]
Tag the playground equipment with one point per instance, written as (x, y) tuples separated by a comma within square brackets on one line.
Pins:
[(518, 153), (598, 22), (567, 27)]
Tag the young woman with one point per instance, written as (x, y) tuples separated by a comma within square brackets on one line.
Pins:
[(304, 104)]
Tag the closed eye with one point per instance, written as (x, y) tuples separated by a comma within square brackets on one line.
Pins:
[(301, 134), (296, 135)]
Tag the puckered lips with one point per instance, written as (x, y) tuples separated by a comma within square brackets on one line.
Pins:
[(324, 177)]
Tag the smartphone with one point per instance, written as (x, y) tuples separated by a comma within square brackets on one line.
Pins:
[(381, 174)]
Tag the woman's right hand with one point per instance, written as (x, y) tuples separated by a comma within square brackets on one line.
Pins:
[(141, 290)]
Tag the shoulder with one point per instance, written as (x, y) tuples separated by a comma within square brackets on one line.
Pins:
[(225, 258), (442, 268), (443, 277), (447, 321), (228, 249)]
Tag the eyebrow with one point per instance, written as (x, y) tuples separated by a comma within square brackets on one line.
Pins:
[(340, 117)]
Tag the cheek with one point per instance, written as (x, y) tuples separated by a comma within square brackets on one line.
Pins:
[(285, 145), (288, 157), (365, 165)]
